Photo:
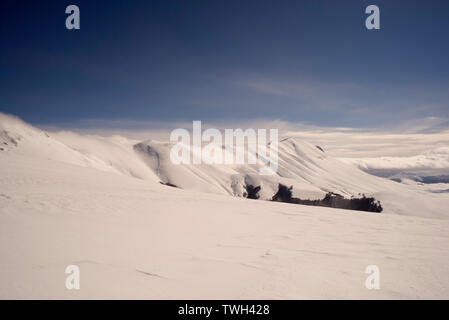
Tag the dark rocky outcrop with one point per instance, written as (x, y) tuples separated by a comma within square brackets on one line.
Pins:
[(331, 200), (251, 192)]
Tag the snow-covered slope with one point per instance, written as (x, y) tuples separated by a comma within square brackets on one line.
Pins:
[(113, 154), (300, 164), (310, 171), (136, 239), (19, 138), (93, 202), (220, 179), (304, 166)]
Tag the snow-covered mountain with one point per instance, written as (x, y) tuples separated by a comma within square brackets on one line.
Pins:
[(306, 167), (95, 202)]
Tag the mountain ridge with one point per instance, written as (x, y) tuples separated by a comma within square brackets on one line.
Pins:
[(310, 171)]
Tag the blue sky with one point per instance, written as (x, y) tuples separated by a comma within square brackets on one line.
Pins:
[(301, 61)]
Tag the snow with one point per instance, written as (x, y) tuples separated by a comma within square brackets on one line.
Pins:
[(97, 203)]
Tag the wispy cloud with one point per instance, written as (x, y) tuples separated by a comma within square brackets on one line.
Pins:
[(356, 104), (322, 94)]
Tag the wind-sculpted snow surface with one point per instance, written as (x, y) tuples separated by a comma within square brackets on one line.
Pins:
[(97, 203)]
